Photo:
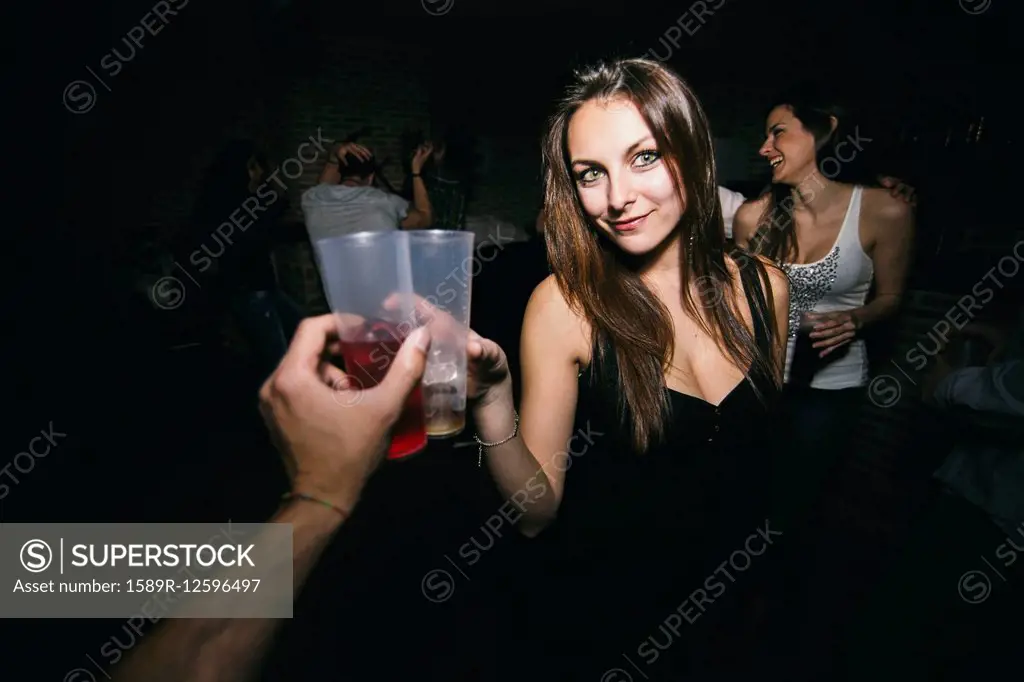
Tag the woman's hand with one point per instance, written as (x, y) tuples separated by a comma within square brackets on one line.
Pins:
[(832, 330), (488, 376)]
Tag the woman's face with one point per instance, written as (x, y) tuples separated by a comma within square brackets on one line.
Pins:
[(788, 147), (623, 182)]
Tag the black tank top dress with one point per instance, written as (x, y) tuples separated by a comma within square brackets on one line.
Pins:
[(654, 563)]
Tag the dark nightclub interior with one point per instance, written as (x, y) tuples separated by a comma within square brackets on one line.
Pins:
[(127, 351)]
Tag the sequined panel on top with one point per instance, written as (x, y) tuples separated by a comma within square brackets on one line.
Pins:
[(808, 284)]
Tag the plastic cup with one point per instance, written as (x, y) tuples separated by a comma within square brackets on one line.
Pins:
[(442, 277), (360, 273)]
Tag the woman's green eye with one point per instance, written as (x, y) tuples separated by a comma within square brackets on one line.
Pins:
[(647, 157)]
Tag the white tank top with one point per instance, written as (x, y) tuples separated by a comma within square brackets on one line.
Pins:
[(839, 281)]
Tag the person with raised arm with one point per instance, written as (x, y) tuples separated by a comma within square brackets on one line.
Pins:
[(346, 199)]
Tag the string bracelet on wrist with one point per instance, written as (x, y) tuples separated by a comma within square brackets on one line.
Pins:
[(316, 500)]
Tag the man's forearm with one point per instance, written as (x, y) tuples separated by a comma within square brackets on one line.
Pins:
[(995, 388), (331, 174), (229, 650), (420, 198), (879, 309)]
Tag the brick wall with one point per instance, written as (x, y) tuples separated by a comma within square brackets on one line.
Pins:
[(337, 88), (354, 85), (510, 182)]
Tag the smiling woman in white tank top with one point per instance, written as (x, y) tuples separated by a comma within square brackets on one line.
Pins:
[(838, 282), (834, 240)]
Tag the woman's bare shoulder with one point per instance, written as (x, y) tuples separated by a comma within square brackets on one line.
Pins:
[(550, 316), (756, 204), (769, 270), (779, 281), (747, 216), (878, 202)]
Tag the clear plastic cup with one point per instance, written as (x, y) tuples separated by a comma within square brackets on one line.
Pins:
[(368, 282), (442, 277)]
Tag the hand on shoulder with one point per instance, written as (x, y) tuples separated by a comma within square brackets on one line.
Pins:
[(880, 202)]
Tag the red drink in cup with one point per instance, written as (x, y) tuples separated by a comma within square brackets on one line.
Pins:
[(367, 359), (367, 277)]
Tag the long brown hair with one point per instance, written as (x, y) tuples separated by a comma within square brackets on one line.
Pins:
[(599, 281), (775, 237)]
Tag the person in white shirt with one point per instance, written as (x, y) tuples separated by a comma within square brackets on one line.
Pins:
[(837, 241), (986, 473), (346, 199), (732, 200)]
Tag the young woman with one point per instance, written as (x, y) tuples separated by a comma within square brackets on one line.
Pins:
[(651, 362), (835, 241)]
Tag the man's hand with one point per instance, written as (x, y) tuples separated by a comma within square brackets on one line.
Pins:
[(333, 436), (899, 189), (423, 153), (356, 150)]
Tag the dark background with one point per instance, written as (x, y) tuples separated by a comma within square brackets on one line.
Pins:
[(157, 436)]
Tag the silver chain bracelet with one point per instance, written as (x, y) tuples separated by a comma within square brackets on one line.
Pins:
[(482, 444)]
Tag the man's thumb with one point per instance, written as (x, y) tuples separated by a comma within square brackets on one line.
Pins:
[(407, 368)]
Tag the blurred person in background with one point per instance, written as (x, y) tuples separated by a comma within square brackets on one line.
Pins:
[(448, 177), (237, 215), (986, 463), (347, 199), (836, 241)]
